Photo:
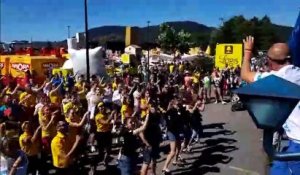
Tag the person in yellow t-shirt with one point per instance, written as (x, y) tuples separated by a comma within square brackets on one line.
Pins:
[(75, 123), (145, 105), (54, 94), (196, 77), (63, 151), (126, 109), (181, 67), (115, 83), (27, 98), (71, 104), (103, 134), (29, 143), (171, 68), (10, 90), (81, 91), (47, 123)]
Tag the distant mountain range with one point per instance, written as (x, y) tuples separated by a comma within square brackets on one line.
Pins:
[(117, 33)]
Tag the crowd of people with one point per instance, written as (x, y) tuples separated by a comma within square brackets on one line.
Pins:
[(57, 125)]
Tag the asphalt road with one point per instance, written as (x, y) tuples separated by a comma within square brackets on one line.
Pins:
[(231, 145)]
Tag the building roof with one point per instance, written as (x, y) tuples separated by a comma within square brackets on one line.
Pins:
[(135, 46)]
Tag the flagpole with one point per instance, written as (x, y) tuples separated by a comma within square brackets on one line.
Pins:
[(86, 42)]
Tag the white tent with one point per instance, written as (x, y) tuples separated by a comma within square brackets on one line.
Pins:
[(187, 57), (166, 57)]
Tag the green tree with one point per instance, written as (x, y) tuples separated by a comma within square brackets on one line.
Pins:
[(167, 38), (201, 40), (171, 41), (237, 28), (183, 42)]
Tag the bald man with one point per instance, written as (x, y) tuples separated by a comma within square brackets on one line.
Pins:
[(279, 65)]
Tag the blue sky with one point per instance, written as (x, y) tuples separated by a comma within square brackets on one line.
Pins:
[(48, 19)]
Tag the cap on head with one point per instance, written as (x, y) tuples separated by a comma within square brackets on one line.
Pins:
[(279, 52), (100, 104)]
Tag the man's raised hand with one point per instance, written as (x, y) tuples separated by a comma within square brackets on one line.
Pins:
[(248, 43)]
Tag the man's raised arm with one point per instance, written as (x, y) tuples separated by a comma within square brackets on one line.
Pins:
[(246, 73)]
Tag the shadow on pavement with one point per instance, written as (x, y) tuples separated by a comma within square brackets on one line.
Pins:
[(214, 126), (210, 142), (213, 151), (222, 132), (215, 145)]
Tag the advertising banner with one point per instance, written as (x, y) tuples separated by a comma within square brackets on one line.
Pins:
[(228, 54)]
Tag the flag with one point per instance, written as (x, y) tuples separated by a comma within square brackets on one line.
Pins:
[(294, 43), (208, 50)]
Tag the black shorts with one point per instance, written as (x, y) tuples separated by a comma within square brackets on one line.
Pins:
[(67, 171), (104, 140)]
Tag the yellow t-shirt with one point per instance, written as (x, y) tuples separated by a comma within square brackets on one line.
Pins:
[(31, 149), (171, 68), (101, 127), (196, 77), (55, 98), (30, 101), (181, 67), (80, 87), (60, 147), (144, 112), (114, 86), (47, 132), (8, 91), (125, 109), (70, 105)]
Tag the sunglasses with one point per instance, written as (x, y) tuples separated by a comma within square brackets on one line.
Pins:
[(272, 59)]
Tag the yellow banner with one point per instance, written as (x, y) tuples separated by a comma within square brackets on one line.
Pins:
[(19, 65), (228, 54)]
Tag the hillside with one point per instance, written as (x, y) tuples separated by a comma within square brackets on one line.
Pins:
[(117, 33)]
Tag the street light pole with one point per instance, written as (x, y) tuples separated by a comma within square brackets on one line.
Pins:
[(86, 41), (68, 31), (148, 48)]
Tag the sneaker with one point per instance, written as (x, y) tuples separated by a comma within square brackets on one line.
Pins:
[(216, 102), (224, 103), (166, 172)]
